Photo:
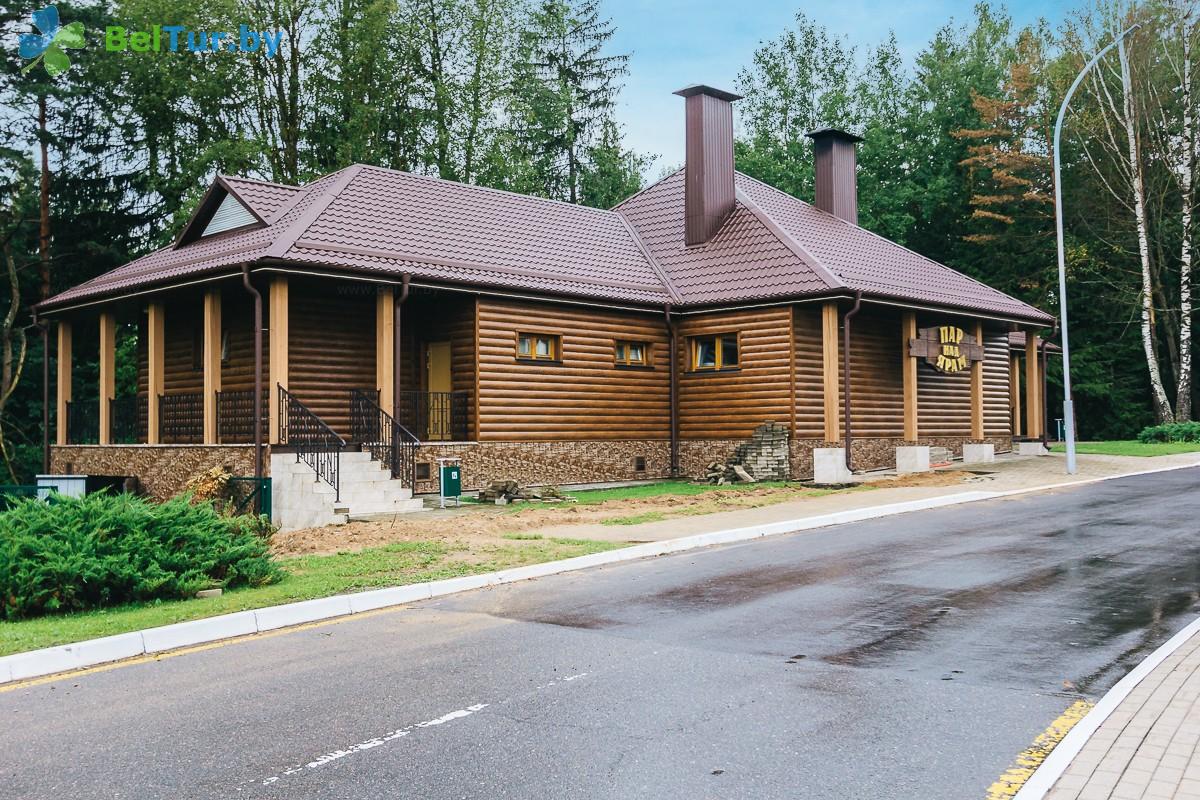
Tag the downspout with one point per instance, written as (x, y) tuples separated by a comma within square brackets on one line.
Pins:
[(397, 347), (674, 391), (258, 380), (1045, 395), (847, 405)]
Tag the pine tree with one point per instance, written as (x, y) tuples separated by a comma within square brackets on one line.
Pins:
[(564, 89)]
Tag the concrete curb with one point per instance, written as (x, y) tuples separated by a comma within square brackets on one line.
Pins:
[(1046, 775), (51, 660)]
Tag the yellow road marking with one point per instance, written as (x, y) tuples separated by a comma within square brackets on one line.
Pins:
[(183, 651), (1015, 776)]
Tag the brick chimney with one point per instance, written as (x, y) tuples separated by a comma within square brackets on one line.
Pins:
[(835, 173), (708, 176)]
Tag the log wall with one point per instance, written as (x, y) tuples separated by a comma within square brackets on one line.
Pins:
[(584, 395), (732, 403)]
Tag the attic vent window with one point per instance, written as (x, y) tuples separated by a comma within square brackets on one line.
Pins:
[(229, 215)]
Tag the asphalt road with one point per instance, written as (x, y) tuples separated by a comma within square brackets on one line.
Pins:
[(910, 657)]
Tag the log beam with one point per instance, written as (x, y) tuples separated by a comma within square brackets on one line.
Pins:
[(977, 389), (829, 362), (1033, 385), (63, 379), (384, 333), (211, 363), (156, 369), (278, 369), (108, 374), (908, 332)]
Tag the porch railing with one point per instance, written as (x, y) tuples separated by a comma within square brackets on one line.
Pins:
[(127, 416), (235, 416), (83, 423), (435, 416), (387, 441), (181, 418), (315, 443)]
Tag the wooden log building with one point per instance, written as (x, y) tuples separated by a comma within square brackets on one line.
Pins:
[(412, 318)]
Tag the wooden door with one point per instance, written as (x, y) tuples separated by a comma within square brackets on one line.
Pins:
[(438, 384)]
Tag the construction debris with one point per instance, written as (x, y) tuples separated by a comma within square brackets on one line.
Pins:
[(504, 492), (720, 473)]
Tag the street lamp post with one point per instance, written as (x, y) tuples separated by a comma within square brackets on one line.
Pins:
[(1068, 401)]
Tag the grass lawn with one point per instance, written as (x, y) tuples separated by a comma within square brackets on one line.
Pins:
[(1131, 448), (308, 577), (687, 488)]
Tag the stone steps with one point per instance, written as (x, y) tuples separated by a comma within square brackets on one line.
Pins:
[(301, 500)]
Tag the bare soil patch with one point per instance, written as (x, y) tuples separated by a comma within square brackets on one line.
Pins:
[(476, 526)]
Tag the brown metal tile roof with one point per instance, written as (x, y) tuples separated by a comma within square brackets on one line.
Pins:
[(878, 267), (263, 197), (383, 222), (1016, 341), (745, 260)]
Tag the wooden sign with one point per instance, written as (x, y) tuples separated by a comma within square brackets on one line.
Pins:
[(946, 348)]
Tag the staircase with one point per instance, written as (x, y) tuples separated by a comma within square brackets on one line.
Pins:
[(316, 480), (301, 500)]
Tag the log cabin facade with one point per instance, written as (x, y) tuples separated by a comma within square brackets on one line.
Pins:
[(535, 340)]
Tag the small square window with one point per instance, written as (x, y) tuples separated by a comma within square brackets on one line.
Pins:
[(538, 347), (424, 470), (639, 464), (632, 354), (710, 353)]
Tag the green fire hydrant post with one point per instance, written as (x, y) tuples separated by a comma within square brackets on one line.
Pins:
[(450, 472)]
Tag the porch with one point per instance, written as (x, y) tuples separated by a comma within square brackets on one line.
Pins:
[(178, 368)]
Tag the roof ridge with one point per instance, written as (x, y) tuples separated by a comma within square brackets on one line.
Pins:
[(306, 218), (870, 232), (259, 180), (831, 279), (482, 188), (662, 274)]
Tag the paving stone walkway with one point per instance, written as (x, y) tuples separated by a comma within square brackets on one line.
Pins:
[(1147, 748)]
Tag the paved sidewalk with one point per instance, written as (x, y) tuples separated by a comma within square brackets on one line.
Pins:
[(1147, 748), (1008, 473)]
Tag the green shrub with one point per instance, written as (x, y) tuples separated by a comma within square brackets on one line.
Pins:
[(1171, 432), (104, 550)]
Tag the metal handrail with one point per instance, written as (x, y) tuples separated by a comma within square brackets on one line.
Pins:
[(127, 417), (386, 440), (83, 423), (315, 443), (181, 418)]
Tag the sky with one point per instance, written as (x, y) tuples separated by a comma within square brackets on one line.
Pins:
[(675, 43)]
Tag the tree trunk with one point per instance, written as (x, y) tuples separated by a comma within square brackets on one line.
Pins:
[(44, 205), (1162, 406), (1183, 388)]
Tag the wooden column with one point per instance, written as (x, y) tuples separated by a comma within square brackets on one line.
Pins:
[(108, 373), (211, 362), (1033, 385), (1014, 392), (829, 362), (908, 331), (64, 378), (156, 340), (384, 332), (977, 389), (278, 369)]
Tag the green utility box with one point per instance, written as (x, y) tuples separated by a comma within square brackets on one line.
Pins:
[(451, 479)]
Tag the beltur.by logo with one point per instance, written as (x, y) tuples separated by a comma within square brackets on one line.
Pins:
[(47, 45), (174, 38)]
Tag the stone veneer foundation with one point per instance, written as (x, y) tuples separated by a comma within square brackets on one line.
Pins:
[(547, 463), (162, 470)]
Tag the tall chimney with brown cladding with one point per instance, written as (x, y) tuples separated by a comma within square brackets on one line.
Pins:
[(708, 177), (835, 172)]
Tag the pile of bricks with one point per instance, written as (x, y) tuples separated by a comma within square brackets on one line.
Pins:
[(765, 455)]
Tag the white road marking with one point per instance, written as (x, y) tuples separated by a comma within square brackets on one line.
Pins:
[(372, 743), (391, 736)]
